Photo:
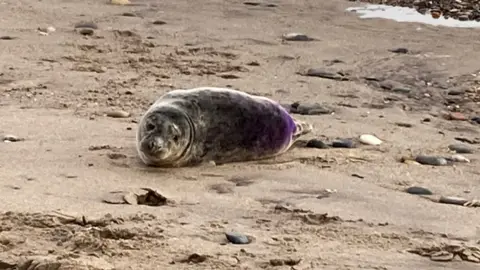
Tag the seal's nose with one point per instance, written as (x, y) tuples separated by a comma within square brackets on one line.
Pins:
[(153, 145)]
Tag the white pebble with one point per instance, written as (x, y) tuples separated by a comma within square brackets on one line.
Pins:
[(370, 139), (51, 29), (459, 158)]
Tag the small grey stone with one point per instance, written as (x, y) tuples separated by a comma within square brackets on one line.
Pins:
[(418, 191), (129, 14), (461, 148), (7, 38), (315, 143), (452, 200), (476, 119), (326, 74), (343, 143), (85, 24), (390, 85), (237, 238), (309, 109), (431, 160), (86, 31), (399, 50), (159, 22), (401, 89), (456, 92), (296, 37)]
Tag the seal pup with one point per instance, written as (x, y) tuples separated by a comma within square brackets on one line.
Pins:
[(194, 126)]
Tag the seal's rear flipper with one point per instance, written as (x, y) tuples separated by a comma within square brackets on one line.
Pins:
[(302, 128)]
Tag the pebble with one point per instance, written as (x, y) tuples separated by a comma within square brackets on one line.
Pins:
[(452, 200), (476, 119), (459, 158), (85, 24), (120, 2), (237, 238), (86, 31), (129, 14), (310, 109), (455, 116), (159, 22), (11, 138), (456, 92), (7, 38), (402, 124), (370, 139), (399, 50), (411, 162), (296, 37), (343, 143), (460, 148), (418, 191), (46, 30), (431, 160), (118, 114), (326, 74), (315, 143)]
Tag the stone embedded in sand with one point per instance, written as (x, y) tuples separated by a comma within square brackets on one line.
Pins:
[(129, 14), (237, 238), (86, 24), (296, 37), (459, 158), (343, 143), (118, 114), (370, 139), (326, 74), (410, 162), (159, 22), (418, 191), (7, 38), (86, 31), (455, 116), (431, 160), (399, 50), (11, 138), (403, 124), (476, 119), (453, 200), (119, 2), (309, 109), (315, 143), (460, 148)]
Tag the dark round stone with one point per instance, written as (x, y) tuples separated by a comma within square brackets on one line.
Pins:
[(460, 148), (315, 143), (237, 238), (343, 143), (418, 191), (431, 160), (476, 119)]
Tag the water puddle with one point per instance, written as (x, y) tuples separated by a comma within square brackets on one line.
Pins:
[(404, 14)]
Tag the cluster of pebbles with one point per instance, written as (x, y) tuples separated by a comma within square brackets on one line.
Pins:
[(463, 10)]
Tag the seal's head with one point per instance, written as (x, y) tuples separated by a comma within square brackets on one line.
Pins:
[(164, 136)]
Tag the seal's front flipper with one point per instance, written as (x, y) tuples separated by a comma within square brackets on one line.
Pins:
[(302, 128)]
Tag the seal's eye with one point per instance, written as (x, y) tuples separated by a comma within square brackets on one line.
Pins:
[(150, 127), (175, 138)]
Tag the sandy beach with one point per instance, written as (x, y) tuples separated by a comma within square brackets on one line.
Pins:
[(66, 64)]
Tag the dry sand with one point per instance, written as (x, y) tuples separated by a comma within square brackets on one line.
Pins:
[(56, 88)]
